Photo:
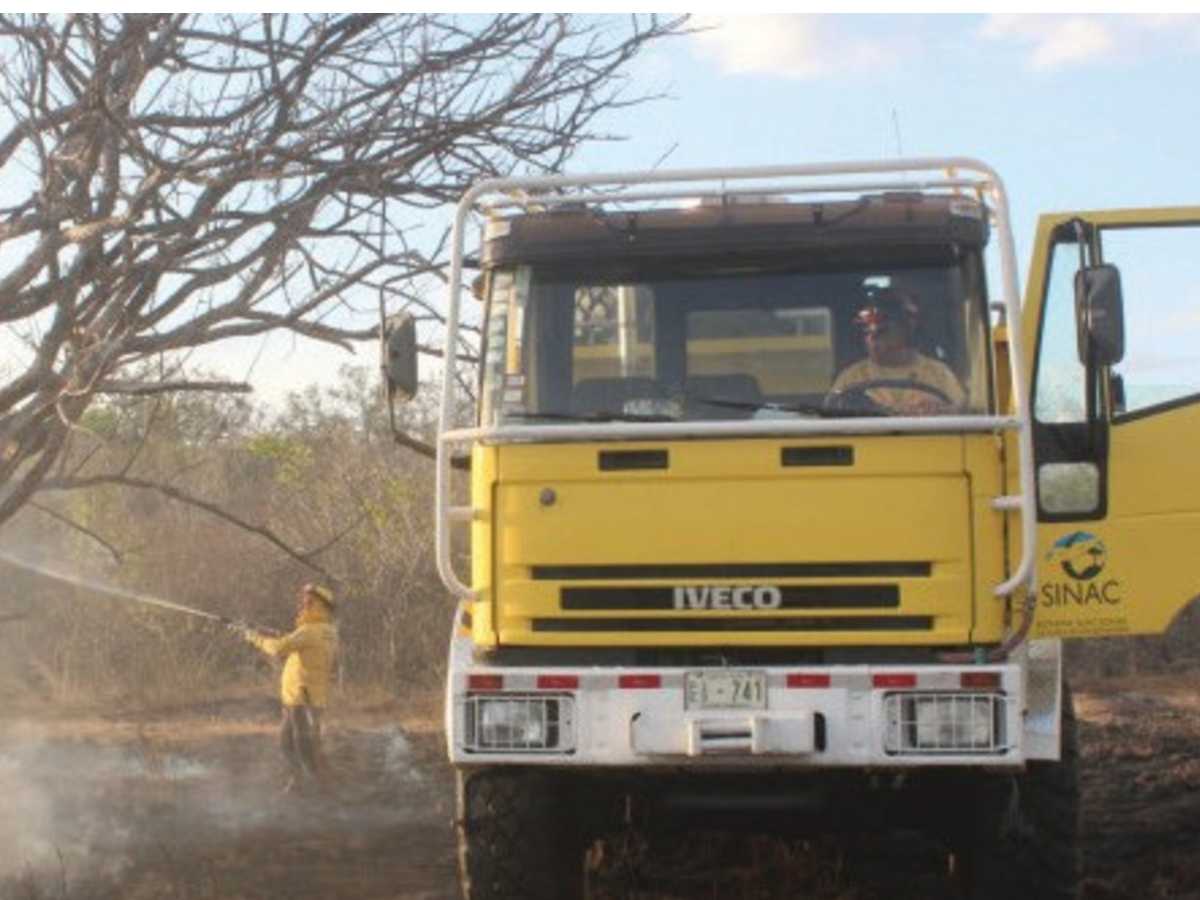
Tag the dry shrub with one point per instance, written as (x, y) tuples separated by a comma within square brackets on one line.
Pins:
[(324, 474)]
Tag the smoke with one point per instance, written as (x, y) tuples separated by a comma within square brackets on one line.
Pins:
[(96, 805), (45, 824)]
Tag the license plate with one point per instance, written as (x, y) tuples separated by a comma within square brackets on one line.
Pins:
[(726, 689)]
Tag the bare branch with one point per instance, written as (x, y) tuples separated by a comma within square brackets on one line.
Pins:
[(182, 496), (337, 538), (146, 388), (76, 526)]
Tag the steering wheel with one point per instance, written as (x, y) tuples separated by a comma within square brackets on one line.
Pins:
[(856, 397)]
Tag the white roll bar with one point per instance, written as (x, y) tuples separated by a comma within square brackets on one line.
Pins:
[(529, 191)]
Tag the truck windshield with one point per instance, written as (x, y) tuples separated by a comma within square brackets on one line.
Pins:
[(691, 343)]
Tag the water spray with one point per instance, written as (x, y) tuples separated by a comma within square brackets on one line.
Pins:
[(112, 590)]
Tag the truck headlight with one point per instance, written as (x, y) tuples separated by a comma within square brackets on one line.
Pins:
[(516, 723), (944, 723), (512, 723)]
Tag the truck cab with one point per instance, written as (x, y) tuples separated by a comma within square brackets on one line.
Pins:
[(759, 494), (731, 322)]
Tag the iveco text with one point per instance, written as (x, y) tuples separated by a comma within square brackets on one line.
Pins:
[(726, 597)]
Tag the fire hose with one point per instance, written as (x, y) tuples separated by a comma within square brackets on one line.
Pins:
[(123, 594)]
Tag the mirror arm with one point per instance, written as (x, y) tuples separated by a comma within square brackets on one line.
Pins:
[(391, 405), (1089, 244), (1082, 241), (1097, 410), (1091, 383), (1116, 393)]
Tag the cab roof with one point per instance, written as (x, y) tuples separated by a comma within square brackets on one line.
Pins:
[(882, 222)]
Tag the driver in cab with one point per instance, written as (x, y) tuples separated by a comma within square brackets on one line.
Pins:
[(895, 377)]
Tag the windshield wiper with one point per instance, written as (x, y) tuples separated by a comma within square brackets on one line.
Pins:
[(599, 416), (804, 409)]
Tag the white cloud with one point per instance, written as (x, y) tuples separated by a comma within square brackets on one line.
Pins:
[(1060, 41), (793, 46), (816, 46), (1055, 41)]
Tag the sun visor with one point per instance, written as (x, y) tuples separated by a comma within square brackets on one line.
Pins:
[(882, 221)]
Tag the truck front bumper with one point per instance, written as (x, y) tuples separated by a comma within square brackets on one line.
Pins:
[(841, 716)]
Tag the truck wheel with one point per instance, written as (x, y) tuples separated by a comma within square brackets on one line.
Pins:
[(517, 837), (1025, 842)]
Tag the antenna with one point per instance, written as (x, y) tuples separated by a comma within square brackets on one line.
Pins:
[(896, 132)]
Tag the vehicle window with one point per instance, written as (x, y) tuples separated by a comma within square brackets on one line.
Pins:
[(495, 346), (699, 343), (786, 350), (1059, 394), (613, 332), (1160, 283)]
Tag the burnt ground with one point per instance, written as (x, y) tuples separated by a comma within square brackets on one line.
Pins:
[(1141, 788), (186, 804)]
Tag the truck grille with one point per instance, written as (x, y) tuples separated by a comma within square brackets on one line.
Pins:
[(732, 571), (738, 623), (731, 598), (832, 596)]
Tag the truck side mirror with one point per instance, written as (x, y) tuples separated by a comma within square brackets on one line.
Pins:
[(1099, 315), (399, 356)]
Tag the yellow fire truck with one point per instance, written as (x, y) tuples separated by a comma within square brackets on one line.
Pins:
[(770, 495)]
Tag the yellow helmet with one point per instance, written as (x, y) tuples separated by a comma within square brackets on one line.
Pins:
[(321, 592)]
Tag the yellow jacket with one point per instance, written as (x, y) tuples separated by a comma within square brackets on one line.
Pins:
[(901, 400), (308, 654)]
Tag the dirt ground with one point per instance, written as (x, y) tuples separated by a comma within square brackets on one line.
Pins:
[(186, 804), (1140, 741)]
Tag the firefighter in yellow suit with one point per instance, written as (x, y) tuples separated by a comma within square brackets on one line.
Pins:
[(308, 653)]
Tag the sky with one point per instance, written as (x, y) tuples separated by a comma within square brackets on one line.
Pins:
[(1074, 112)]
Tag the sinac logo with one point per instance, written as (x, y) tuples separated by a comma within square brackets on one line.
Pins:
[(1081, 555)]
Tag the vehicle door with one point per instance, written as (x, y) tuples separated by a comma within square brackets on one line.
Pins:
[(1112, 320)]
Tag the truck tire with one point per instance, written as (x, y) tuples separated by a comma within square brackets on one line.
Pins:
[(1025, 843), (517, 837)]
